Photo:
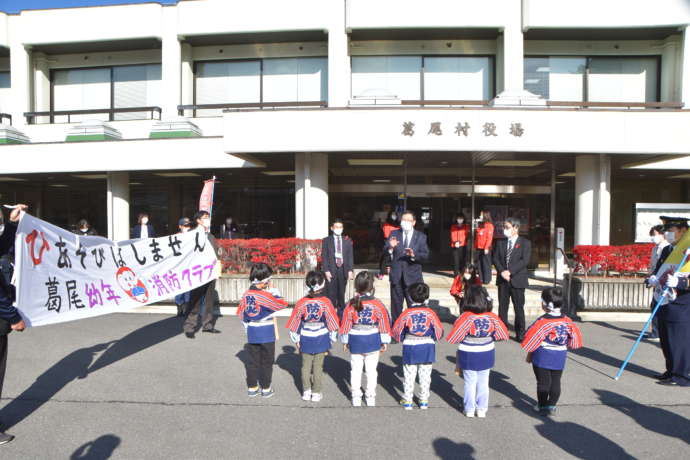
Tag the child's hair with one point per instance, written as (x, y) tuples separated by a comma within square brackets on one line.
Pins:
[(259, 272), (552, 297), (477, 300), (315, 281), (364, 284), (418, 292)]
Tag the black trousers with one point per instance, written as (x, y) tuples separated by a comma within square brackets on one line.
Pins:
[(260, 364), (398, 296), (336, 290), (459, 257), (548, 385), (663, 341), (484, 265), (506, 293), (204, 292), (679, 345), (3, 359)]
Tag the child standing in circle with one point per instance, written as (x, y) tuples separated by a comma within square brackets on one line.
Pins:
[(418, 328), (475, 332), (365, 331), (313, 326), (546, 343)]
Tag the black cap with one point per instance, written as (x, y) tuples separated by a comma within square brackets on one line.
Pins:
[(185, 222), (670, 221)]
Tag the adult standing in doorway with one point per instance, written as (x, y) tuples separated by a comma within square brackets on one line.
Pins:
[(387, 228), (408, 250), (511, 259), (229, 229), (459, 235), (482, 243), (143, 229), (337, 257), (202, 295)]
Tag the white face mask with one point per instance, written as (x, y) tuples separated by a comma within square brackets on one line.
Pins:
[(670, 237), (394, 217), (460, 221), (656, 239), (228, 222), (184, 229), (337, 231), (84, 230), (406, 225), (507, 233), (144, 221), (467, 276), (205, 222)]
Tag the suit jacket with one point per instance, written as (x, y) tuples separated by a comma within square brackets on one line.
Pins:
[(519, 259), (136, 232), (402, 266), (328, 254)]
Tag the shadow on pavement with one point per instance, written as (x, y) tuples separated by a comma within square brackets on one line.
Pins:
[(634, 332), (338, 369), (139, 340), (575, 439), (615, 363), (390, 377), (291, 361), (99, 449), (447, 449), (651, 418)]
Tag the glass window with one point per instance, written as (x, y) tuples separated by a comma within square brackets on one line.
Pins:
[(396, 77), (625, 79), (4, 91), (295, 79), (81, 89), (136, 86), (458, 78), (556, 78), (227, 82)]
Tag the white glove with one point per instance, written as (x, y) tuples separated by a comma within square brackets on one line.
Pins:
[(672, 281), (275, 292), (652, 281), (333, 336)]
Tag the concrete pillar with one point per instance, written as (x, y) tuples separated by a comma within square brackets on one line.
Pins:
[(513, 59), (171, 64), (592, 199), (187, 78), (338, 59), (685, 68), (669, 58), (20, 80), (118, 205), (41, 73), (311, 195)]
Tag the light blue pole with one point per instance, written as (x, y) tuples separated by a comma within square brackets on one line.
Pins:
[(639, 338)]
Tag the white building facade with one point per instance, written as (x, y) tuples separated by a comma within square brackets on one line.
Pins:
[(566, 114)]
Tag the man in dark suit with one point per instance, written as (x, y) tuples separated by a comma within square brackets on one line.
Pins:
[(511, 258), (337, 257), (408, 250)]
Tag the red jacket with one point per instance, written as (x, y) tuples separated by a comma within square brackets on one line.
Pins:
[(485, 236), (459, 234), (388, 228)]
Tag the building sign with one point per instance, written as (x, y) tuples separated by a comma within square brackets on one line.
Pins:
[(460, 129), (62, 276), (647, 216)]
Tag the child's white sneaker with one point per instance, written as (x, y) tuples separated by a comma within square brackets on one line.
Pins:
[(316, 397), (371, 402), (469, 413), (481, 413), (356, 402), (306, 396)]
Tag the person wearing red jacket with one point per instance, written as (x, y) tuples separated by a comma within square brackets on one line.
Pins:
[(482, 242), (459, 235)]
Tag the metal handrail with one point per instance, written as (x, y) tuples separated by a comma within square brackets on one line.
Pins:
[(249, 105), (645, 105), (6, 115), (111, 112)]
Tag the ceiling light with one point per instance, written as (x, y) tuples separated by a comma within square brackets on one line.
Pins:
[(177, 174), (278, 173), (375, 161), (59, 185), (681, 176), (290, 181), (90, 176), (514, 163), (135, 183), (568, 174), (11, 179), (381, 181)]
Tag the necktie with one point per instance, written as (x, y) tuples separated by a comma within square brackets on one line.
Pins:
[(407, 240), (509, 252), (338, 250)]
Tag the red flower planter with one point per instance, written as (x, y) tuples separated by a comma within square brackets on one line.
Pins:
[(283, 255), (627, 259)]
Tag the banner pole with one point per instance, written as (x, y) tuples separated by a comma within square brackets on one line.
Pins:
[(644, 328)]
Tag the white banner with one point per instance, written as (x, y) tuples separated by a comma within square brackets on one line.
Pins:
[(62, 276)]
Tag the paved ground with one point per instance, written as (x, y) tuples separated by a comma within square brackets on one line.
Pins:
[(130, 386)]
